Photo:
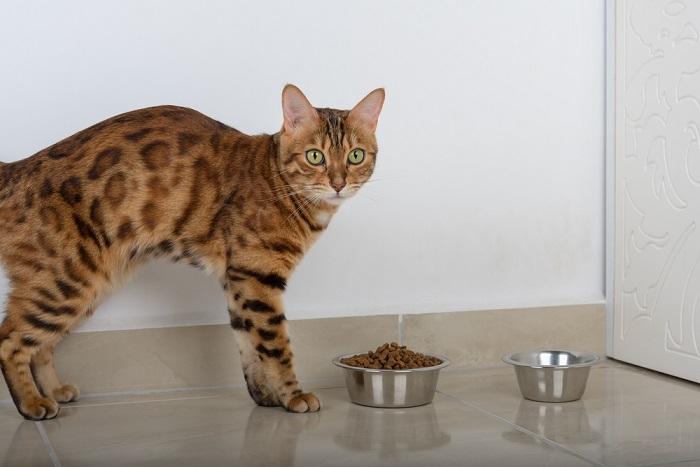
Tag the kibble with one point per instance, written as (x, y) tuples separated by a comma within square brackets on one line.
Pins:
[(391, 356)]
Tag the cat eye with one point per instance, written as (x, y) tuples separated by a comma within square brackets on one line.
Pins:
[(356, 156), (315, 157)]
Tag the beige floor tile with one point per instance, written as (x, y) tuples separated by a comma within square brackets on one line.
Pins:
[(229, 430), (150, 359), (628, 416), (480, 338), (144, 397), (20, 441), (206, 356), (139, 397)]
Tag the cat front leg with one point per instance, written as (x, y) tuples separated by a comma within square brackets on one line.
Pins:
[(47, 380), (258, 321)]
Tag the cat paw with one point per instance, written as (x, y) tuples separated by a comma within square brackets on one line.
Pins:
[(38, 408), (304, 402), (66, 393)]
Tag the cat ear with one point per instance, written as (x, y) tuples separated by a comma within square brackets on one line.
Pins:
[(366, 113), (296, 108)]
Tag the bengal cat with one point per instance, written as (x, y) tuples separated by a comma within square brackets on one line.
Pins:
[(170, 182)]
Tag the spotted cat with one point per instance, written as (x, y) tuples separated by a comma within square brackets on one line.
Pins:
[(79, 216)]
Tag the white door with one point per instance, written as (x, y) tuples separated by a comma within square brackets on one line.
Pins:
[(656, 248)]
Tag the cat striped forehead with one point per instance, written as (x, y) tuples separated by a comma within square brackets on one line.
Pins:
[(333, 130)]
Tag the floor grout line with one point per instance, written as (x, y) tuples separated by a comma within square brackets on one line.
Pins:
[(674, 462), (400, 330), (47, 444), (148, 392), (523, 429), (86, 400), (147, 401)]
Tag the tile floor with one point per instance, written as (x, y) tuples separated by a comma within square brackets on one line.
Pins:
[(628, 416)]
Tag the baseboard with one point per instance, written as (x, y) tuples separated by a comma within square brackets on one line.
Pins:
[(206, 356), (479, 339)]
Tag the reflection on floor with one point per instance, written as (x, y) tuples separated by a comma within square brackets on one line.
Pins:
[(628, 416)]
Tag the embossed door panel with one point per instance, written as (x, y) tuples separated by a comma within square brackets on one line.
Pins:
[(657, 185)]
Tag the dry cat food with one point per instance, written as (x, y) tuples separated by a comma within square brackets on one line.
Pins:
[(391, 356)]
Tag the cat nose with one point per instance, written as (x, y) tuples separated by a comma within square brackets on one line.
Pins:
[(338, 185)]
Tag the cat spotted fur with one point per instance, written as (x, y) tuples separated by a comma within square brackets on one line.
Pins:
[(78, 217)]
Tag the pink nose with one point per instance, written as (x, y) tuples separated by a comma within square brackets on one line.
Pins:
[(338, 185)]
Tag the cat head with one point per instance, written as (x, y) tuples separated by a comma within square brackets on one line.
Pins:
[(326, 155)]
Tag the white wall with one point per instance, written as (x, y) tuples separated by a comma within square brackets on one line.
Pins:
[(489, 187)]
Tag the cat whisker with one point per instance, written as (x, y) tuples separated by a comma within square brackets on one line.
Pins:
[(305, 202), (287, 186), (280, 173), (283, 195), (285, 191), (364, 195), (372, 180)]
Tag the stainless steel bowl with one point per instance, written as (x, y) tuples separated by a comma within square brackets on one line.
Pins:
[(391, 388), (552, 375)]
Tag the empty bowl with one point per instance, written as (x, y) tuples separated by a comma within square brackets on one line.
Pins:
[(552, 375), (391, 388)]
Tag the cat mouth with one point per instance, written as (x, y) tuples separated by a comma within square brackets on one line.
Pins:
[(335, 199)]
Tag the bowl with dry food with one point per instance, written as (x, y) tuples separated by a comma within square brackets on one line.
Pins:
[(391, 376)]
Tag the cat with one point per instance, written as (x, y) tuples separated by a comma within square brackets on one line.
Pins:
[(168, 181)]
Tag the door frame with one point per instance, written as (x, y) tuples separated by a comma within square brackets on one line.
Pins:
[(610, 143)]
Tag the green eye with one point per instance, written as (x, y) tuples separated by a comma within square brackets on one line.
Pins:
[(315, 157), (356, 156)]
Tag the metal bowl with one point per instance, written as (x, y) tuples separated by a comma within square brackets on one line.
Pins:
[(552, 375), (391, 388)]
